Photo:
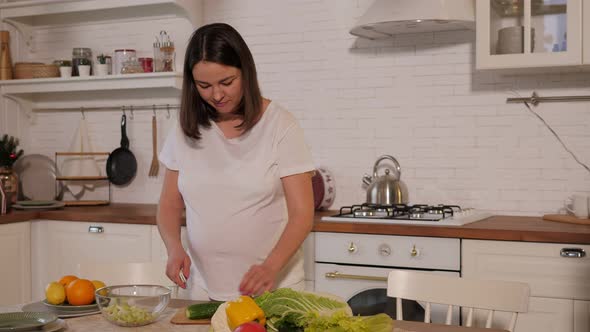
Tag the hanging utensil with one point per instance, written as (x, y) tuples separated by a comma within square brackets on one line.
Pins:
[(155, 166)]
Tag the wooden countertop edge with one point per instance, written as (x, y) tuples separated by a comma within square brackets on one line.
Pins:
[(455, 232), (503, 228)]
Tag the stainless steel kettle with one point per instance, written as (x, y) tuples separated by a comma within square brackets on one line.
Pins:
[(388, 188)]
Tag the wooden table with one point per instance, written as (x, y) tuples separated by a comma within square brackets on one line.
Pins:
[(98, 323)]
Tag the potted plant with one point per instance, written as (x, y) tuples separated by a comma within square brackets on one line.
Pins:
[(101, 67), (8, 156)]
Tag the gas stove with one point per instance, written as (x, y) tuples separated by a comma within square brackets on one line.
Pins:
[(418, 214)]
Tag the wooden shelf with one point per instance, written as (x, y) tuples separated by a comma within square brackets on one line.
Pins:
[(86, 203), (91, 91), (81, 178)]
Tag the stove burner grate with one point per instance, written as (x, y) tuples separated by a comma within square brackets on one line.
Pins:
[(399, 211)]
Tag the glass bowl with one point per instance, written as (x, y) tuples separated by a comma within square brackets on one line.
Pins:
[(132, 305)]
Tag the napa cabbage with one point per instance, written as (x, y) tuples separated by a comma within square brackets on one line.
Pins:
[(290, 310)]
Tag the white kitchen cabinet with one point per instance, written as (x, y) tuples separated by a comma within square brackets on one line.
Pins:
[(530, 33), (556, 282), (15, 259), (309, 261), (59, 246), (586, 37), (581, 316)]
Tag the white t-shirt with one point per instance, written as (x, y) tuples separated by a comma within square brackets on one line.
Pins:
[(235, 204)]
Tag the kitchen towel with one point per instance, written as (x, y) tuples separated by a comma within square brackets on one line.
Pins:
[(80, 165)]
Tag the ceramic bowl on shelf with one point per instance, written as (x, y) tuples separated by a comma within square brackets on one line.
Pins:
[(132, 305)]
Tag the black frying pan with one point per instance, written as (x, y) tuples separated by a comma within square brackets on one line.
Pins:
[(122, 165)]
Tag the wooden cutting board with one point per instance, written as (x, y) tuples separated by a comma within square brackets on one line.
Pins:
[(566, 218), (180, 318)]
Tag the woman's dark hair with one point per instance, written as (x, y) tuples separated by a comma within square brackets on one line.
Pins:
[(222, 44)]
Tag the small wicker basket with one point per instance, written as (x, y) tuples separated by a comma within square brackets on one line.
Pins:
[(23, 70)]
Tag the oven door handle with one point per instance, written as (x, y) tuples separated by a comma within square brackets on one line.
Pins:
[(338, 275)]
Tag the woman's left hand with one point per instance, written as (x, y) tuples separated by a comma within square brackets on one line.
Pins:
[(258, 279)]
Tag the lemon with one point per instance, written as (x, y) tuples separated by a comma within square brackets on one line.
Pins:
[(55, 293), (99, 284)]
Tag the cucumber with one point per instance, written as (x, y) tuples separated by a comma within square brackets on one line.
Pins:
[(202, 310)]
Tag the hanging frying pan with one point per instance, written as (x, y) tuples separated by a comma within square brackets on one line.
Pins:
[(122, 165)]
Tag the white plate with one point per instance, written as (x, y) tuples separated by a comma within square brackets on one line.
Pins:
[(56, 205), (25, 321), (36, 174)]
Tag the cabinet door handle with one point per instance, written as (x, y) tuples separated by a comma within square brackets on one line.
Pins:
[(95, 229), (338, 275), (572, 252)]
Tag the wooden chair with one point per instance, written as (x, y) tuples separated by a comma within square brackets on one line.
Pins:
[(491, 295), (128, 273)]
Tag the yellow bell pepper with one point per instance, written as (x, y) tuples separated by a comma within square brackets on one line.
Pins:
[(243, 310)]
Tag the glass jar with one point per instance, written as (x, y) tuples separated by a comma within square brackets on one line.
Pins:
[(147, 64), (81, 56), (132, 66), (9, 182), (121, 56), (168, 55)]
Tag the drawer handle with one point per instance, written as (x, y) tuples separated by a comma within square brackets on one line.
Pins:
[(352, 248), (338, 275), (414, 252), (95, 229), (572, 252)]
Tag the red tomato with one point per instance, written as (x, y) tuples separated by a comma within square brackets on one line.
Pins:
[(250, 327)]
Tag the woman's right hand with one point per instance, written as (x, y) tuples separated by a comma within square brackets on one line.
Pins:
[(178, 262)]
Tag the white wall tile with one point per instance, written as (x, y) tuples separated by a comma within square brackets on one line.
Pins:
[(416, 97)]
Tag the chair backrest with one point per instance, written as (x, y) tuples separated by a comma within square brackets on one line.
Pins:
[(491, 295), (128, 273)]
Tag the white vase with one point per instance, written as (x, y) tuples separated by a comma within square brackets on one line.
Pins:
[(101, 69)]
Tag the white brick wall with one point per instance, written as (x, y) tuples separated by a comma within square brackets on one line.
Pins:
[(416, 97)]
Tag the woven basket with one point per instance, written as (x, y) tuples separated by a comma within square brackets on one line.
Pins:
[(24, 70)]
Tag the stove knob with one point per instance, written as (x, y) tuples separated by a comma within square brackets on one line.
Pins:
[(384, 250), (352, 248), (414, 252)]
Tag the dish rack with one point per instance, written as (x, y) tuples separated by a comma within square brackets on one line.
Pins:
[(82, 178)]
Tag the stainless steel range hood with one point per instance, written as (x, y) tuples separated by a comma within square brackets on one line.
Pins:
[(385, 18)]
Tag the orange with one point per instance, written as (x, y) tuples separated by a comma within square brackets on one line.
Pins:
[(80, 292), (65, 280)]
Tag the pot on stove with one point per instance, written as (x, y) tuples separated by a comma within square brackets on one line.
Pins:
[(388, 188)]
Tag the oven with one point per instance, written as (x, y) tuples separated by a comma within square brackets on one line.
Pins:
[(355, 267)]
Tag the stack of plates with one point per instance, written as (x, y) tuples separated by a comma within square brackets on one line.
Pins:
[(62, 310), (29, 321), (37, 205)]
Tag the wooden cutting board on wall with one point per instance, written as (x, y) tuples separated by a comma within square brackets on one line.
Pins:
[(566, 218)]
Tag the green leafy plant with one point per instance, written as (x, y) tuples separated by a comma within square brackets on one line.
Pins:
[(8, 151), (102, 59)]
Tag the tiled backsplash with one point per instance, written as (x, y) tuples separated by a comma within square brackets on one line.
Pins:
[(416, 97)]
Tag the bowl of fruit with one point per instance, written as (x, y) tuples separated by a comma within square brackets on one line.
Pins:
[(72, 295), (132, 305)]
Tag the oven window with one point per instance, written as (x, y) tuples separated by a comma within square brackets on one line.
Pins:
[(375, 301)]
